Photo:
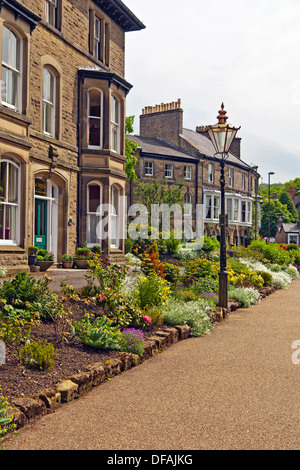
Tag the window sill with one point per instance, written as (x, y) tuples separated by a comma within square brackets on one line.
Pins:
[(11, 248)]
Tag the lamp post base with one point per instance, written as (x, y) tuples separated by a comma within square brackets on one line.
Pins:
[(223, 289)]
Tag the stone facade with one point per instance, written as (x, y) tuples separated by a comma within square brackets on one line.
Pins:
[(62, 124), (167, 149)]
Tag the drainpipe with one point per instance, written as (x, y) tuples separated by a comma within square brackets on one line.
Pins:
[(78, 162)]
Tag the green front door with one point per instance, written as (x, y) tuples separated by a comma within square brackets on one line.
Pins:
[(40, 224)]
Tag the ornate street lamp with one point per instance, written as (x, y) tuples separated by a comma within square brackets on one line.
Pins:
[(222, 135)]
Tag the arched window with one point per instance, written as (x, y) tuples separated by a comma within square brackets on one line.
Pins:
[(115, 124), (11, 70), (95, 104), (94, 198), (49, 111), (10, 203), (115, 217)]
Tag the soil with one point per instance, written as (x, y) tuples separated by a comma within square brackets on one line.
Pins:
[(17, 381)]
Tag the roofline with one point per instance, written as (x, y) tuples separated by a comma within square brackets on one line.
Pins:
[(121, 14), (103, 75), (20, 10)]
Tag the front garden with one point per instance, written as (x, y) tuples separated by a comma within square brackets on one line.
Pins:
[(50, 336)]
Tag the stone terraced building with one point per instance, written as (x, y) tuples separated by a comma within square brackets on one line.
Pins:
[(168, 150), (62, 124)]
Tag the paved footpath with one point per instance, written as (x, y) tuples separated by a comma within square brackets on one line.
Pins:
[(236, 388)]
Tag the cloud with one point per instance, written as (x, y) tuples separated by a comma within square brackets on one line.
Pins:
[(240, 52)]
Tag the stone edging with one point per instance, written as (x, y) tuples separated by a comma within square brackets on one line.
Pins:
[(26, 410)]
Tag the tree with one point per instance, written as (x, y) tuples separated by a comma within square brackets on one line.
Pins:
[(286, 199), (277, 209), (156, 192), (130, 149)]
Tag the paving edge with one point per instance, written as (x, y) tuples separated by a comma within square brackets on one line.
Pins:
[(26, 410)]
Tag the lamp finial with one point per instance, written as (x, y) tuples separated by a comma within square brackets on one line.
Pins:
[(222, 118)]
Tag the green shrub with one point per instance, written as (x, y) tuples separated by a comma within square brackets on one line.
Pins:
[(198, 268), (206, 284), (171, 272), (210, 244), (193, 314), (245, 295), (267, 277), (97, 333), (102, 275), (16, 324), (270, 251), (152, 291), (38, 355)]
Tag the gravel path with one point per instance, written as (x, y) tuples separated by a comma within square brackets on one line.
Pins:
[(234, 389)]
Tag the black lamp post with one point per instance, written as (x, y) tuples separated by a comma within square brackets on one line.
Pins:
[(222, 135), (269, 216)]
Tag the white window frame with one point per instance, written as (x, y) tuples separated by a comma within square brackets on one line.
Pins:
[(229, 208), (49, 106), (249, 212), (236, 210), (51, 12), (216, 207), (148, 168), (188, 204), (99, 118), (211, 172), (13, 72), (187, 172), (243, 181), (115, 217), (91, 214), (97, 37), (291, 236), (115, 124), (52, 215), (208, 206), (6, 204), (243, 213), (168, 170)]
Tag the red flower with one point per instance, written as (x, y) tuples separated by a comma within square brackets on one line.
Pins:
[(147, 319)]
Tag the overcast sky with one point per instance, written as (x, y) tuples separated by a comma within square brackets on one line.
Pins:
[(244, 53)]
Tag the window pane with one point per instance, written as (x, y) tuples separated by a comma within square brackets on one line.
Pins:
[(5, 45), (94, 132), (94, 198), (3, 180), (95, 103), (13, 184)]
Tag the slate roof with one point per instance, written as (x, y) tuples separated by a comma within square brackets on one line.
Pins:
[(160, 147), (204, 145)]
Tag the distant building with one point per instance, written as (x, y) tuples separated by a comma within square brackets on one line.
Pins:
[(169, 151), (288, 233)]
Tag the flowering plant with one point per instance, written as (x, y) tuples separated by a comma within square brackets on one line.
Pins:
[(6, 418), (132, 341)]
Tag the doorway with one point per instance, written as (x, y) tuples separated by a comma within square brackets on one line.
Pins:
[(46, 215)]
